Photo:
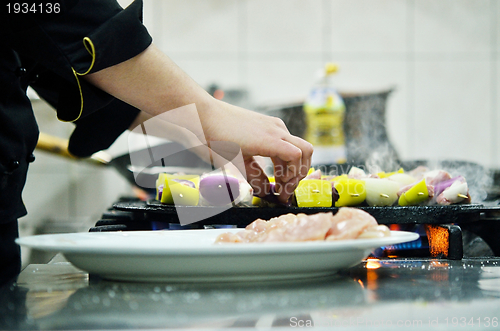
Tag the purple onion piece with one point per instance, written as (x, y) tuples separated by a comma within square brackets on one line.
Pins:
[(219, 190), (185, 182), (160, 192), (335, 195), (441, 186)]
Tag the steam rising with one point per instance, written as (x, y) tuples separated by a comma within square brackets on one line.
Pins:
[(478, 178)]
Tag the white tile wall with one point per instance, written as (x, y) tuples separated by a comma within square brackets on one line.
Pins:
[(442, 57), (495, 101), (198, 26), (453, 110), (453, 26), (280, 80), (283, 26), (363, 26)]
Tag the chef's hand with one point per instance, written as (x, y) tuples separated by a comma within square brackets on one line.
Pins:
[(154, 84), (262, 135)]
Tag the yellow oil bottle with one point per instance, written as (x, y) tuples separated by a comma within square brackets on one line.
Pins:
[(325, 110)]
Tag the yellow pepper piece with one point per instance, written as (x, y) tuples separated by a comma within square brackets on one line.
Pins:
[(256, 201), (179, 193), (417, 194), (351, 192), (387, 174), (311, 170), (314, 193)]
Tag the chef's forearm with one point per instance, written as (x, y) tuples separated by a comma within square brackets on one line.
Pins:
[(151, 82)]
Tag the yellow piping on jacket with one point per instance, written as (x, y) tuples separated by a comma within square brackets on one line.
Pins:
[(89, 46)]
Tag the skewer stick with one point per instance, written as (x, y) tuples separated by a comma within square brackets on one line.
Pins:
[(355, 195), (384, 195), (462, 196), (420, 193)]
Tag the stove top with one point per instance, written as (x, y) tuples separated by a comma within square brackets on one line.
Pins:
[(451, 232)]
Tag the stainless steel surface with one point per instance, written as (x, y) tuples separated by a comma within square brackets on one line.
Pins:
[(420, 294)]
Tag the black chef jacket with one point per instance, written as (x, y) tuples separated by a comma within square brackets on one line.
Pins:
[(51, 51)]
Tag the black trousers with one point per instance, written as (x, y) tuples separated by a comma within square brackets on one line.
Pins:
[(10, 252)]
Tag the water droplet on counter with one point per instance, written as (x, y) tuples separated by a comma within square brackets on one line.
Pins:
[(106, 302), (192, 296)]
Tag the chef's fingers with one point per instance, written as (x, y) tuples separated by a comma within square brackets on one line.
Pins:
[(257, 178), (285, 179), (285, 190), (304, 164), (296, 164)]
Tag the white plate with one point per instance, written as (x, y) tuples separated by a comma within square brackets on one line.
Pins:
[(192, 256)]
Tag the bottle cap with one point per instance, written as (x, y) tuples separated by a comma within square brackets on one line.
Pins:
[(331, 68)]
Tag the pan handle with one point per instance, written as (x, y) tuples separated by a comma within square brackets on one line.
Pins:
[(54, 145), (59, 146)]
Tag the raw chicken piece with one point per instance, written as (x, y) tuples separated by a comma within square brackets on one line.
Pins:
[(436, 176), (300, 227), (258, 225), (378, 231), (349, 223), (314, 175), (229, 237), (289, 227), (457, 192)]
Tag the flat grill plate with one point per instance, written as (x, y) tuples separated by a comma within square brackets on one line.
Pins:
[(242, 216)]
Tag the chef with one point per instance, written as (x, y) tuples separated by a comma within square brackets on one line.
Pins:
[(95, 63)]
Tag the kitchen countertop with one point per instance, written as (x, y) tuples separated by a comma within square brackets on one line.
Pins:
[(420, 294)]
